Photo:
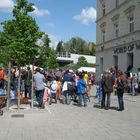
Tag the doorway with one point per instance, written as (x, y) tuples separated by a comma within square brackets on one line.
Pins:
[(115, 60), (130, 59)]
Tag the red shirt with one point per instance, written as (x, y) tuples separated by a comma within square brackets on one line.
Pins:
[(1, 74)]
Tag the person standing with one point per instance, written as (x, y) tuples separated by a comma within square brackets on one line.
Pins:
[(28, 82), (138, 80), (107, 84), (1, 78), (81, 91), (53, 91), (39, 80), (86, 78), (68, 86), (120, 86)]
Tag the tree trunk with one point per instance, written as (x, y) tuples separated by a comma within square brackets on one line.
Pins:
[(19, 89), (9, 83)]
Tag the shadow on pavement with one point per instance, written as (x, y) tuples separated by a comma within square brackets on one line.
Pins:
[(113, 108), (99, 107)]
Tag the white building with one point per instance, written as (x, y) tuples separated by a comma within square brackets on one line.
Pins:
[(73, 58), (118, 34)]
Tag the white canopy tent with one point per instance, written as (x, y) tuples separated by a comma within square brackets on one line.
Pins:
[(88, 69)]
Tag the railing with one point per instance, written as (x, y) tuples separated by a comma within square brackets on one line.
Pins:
[(64, 54)]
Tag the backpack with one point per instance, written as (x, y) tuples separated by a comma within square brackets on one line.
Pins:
[(120, 86)]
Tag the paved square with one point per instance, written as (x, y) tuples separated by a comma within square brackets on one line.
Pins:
[(69, 122)]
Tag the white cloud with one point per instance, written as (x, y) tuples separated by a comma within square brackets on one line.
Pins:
[(40, 12), (86, 16), (54, 40), (6, 5)]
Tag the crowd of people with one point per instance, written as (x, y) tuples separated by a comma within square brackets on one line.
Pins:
[(114, 80), (59, 85), (71, 86)]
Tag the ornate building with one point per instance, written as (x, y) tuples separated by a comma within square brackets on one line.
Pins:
[(118, 34)]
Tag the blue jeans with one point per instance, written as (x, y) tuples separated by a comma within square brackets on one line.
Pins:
[(120, 100), (104, 99), (15, 83), (82, 99), (99, 94)]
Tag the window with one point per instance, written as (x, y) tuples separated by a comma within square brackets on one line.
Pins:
[(117, 3), (131, 24), (103, 10), (116, 30), (103, 37)]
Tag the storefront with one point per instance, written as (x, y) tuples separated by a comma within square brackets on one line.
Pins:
[(121, 56)]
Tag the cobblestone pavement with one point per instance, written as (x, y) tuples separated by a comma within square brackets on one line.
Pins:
[(69, 122)]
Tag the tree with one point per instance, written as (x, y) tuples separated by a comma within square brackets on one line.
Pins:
[(76, 45), (59, 47), (44, 52), (91, 48), (18, 38), (52, 64), (19, 35), (82, 62)]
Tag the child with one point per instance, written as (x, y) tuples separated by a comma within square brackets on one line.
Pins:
[(53, 90), (46, 95), (81, 90), (99, 92)]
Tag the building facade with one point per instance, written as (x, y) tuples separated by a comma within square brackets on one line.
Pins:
[(118, 34), (67, 58)]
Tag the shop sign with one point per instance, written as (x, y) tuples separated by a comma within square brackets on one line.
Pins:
[(128, 48)]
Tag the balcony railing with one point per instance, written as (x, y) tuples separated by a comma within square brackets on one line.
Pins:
[(64, 54)]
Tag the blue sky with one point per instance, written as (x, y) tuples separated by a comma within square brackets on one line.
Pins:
[(60, 19)]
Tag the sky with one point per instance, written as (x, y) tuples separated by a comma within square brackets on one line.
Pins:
[(60, 19)]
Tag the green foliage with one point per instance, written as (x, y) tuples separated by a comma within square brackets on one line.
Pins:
[(59, 47), (52, 64), (19, 36), (43, 52), (91, 48), (79, 46), (75, 67), (76, 45), (82, 62), (47, 56), (91, 65)]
